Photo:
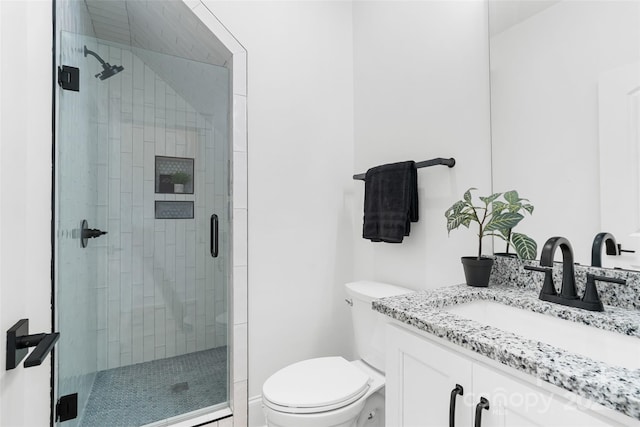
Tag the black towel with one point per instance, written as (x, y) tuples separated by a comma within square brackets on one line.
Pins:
[(390, 202)]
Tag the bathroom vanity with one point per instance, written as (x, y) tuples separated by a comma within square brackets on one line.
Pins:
[(499, 356), (419, 387)]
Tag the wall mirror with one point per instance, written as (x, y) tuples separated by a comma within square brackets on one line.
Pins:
[(565, 119)]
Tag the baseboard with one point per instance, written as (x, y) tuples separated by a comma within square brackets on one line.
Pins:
[(256, 416)]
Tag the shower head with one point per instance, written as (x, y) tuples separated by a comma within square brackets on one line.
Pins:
[(108, 70)]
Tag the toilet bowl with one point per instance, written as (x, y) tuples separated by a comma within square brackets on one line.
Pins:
[(322, 392), (331, 391)]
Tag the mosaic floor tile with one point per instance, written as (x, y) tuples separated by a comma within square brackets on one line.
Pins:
[(139, 394)]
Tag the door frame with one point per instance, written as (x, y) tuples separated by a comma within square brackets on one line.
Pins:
[(238, 300), (26, 226), (25, 195)]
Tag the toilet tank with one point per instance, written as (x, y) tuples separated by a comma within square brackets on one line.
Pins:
[(369, 325)]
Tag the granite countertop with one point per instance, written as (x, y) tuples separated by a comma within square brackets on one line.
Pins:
[(614, 387)]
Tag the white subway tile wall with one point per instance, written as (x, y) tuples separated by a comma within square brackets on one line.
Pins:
[(163, 295)]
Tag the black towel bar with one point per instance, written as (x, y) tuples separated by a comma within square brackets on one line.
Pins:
[(425, 164)]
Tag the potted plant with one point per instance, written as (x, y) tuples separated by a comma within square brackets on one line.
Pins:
[(524, 246), (494, 217), (180, 179)]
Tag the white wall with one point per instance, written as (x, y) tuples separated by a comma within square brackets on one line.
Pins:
[(415, 97), (300, 110), (25, 199), (421, 91)]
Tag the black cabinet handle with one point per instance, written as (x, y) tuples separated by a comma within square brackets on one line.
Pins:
[(458, 390), (214, 236), (484, 404)]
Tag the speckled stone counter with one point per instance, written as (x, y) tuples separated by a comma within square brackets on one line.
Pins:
[(614, 387)]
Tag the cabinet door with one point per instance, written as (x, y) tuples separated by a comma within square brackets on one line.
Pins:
[(514, 403), (419, 380)]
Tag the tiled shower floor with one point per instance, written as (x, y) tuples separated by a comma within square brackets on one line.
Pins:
[(146, 392)]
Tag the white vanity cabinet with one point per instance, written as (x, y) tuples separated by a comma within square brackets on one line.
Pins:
[(419, 380), (421, 375), (513, 402)]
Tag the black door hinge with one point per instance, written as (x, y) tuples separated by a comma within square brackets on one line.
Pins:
[(67, 407), (69, 78)]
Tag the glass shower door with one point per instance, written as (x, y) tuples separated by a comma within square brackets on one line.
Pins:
[(79, 272), (142, 213)]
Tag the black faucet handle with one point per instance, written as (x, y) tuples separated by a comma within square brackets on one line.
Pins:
[(540, 269), (620, 250), (548, 288), (591, 299), (607, 279)]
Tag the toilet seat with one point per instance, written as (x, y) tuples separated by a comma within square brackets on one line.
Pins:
[(315, 385)]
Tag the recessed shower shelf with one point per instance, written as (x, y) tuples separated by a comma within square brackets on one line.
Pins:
[(172, 209), (174, 175)]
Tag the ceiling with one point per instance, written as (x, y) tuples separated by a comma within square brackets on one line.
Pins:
[(167, 27), (504, 14), (174, 43)]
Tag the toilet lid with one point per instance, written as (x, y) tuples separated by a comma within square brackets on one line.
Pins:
[(315, 385)]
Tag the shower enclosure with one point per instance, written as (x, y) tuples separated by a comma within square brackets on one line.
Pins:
[(142, 213)]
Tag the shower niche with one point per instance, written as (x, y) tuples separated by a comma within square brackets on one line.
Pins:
[(171, 209), (174, 175)]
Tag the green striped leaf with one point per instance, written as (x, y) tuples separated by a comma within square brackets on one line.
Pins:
[(490, 198), (503, 221), (525, 246), (467, 194), (458, 207), (455, 221), (512, 197), (497, 207)]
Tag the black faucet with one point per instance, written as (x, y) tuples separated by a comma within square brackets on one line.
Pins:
[(612, 248), (568, 295), (596, 248), (568, 288)]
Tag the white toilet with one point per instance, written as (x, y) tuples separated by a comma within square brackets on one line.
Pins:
[(331, 391)]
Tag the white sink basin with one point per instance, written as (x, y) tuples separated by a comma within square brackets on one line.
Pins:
[(605, 346)]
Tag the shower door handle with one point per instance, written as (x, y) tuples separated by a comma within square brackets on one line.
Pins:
[(214, 236)]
